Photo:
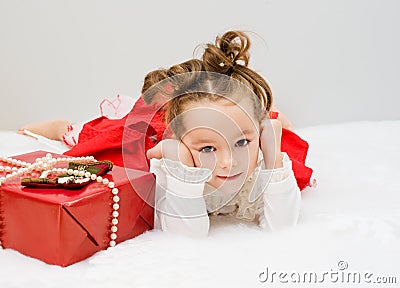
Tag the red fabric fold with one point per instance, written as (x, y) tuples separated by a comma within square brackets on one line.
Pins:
[(297, 149), (122, 141)]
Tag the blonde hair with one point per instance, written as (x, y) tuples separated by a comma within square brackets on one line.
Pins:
[(198, 79)]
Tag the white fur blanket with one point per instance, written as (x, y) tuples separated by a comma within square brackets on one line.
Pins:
[(350, 224)]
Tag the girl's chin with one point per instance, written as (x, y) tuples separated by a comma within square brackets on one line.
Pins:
[(228, 184)]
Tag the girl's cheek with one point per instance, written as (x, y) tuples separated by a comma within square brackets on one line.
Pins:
[(249, 157), (246, 155), (207, 160)]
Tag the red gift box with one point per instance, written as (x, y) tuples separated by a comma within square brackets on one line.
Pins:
[(61, 226)]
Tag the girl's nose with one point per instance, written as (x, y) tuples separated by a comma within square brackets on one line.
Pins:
[(226, 160)]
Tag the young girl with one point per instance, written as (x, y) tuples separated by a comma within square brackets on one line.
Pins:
[(224, 153), (226, 156)]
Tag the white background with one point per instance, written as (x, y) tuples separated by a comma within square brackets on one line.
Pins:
[(327, 61)]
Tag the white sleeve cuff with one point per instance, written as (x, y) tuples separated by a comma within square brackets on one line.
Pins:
[(182, 172), (278, 174), (184, 189)]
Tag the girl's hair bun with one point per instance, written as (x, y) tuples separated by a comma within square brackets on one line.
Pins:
[(230, 49)]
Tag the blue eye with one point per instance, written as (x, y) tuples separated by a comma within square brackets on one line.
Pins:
[(241, 143), (207, 149)]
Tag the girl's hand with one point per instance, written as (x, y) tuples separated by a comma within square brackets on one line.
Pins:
[(270, 142), (286, 123), (171, 149)]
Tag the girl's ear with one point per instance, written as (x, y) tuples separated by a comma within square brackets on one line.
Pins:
[(262, 115), (169, 88), (164, 95), (160, 98)]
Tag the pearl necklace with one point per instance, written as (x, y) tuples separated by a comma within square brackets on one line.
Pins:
[(46, 164)]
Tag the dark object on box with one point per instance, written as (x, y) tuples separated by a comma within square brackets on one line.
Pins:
[(99, 168)]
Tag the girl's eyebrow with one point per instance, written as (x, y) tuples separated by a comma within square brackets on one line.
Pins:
[(211, 140), (201, 141), (198, 141), (247, 132)]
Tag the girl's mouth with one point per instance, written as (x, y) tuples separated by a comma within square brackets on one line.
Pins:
[(229, 178)]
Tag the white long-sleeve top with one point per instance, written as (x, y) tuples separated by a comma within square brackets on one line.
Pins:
[(184, 199)]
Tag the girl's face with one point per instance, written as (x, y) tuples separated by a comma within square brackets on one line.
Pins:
[(224, 137)]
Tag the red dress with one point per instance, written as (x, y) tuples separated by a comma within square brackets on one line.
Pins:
[(124, 141)]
